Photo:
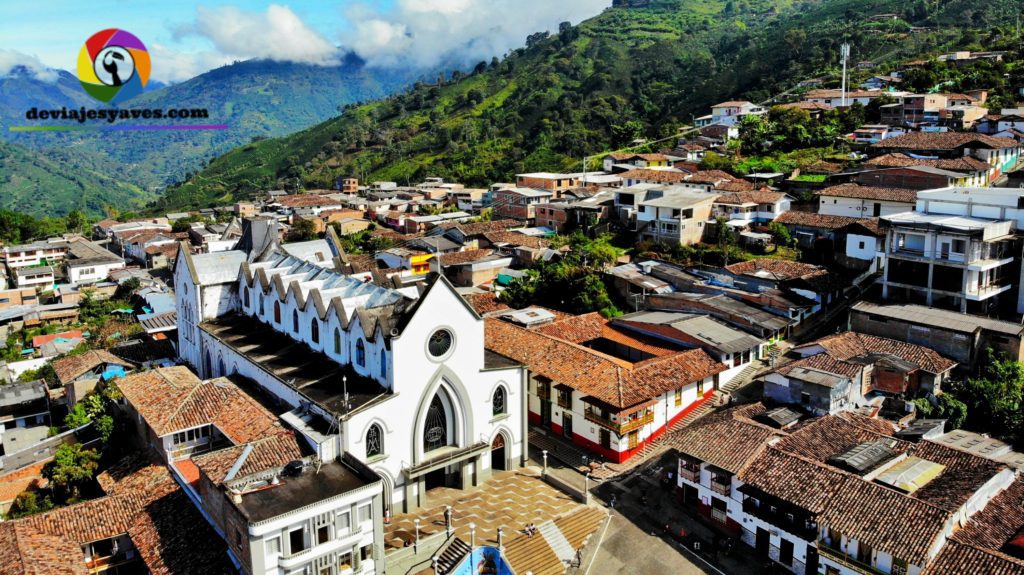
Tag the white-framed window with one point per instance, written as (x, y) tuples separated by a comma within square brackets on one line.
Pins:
[(273, 546), (365, 513)]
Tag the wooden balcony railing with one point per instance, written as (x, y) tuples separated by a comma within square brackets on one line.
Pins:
[(620, 428), (721, 488), (692, 475), (847, 560)]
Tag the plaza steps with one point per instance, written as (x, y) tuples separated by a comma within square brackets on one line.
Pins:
[(452, 554), (553, 549), (559, 544)]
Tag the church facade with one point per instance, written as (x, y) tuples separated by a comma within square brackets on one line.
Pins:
[(398, 378)]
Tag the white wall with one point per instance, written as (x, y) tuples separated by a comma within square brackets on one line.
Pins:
[(99, 272), (857, 208)]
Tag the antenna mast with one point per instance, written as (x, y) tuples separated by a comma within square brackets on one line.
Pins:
[(844, 55)]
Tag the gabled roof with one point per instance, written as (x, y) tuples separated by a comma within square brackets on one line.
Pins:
[(253, 457), (69, 368), (729, 439), (811, 220), (856, 191), (944, 141), (173, 399), (848, 345), (752, 197), (965, 164)]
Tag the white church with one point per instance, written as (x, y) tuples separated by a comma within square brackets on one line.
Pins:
[(398, 378)]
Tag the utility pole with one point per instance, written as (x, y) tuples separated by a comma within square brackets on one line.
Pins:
[(844, 55)]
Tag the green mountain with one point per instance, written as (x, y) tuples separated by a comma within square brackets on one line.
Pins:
[(256, 99), (55, 182), (640, 69)]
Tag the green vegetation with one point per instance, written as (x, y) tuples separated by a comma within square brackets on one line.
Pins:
[(995, 400), (574, 283), (73, 465), (627, 73)]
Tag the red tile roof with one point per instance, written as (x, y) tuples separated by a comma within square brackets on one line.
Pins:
[(1000, 520), (728, 439), (752, 197), (957, 558), (654, 176), (305, 200), (617, 383), (39, 340), (173, 399), (811, 220), (850, 344), (824, 362), (464, 257), (267, 453), (897, 160), (929, 141), (70, 367), (830, 435), (485, 303), (856, 191)]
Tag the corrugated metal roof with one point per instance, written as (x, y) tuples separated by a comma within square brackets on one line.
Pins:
[(910, 474), (218, 267), (939, 318)]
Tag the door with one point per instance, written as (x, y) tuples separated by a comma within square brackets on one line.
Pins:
[(944, 250), (606, 439), (812, 560), (545, 413), (498, 453), (786, 552), (876, 210), (763, 542), (634, 439), (567, 424)]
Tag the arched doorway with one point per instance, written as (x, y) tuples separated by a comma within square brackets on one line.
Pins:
[(499, 462), (440, 430)]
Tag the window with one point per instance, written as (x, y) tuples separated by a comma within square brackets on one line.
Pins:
[(344, 561), (498, 401), (700, 388), (383, 365), (565, 398), (374, 441), (959, 246), (323, 535), (295, 321), (314, 330), (364, 513), (245, 296), (440, 342), (337, 341), (344, 522), (679, 397), (277, 312), (360, 353), (366, 552), (297, 541), (273, 546), (860, 245)]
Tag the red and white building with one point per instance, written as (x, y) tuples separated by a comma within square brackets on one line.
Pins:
[(599, 386)]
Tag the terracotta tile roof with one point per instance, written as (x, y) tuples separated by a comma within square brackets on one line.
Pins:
[(733, 104), (811, 220), (965, 473), (859, 192), (710, 177), (779, 269), (172, 538), (822, 167), (998, 522), (267, 453), (25, 479), (850, 344), (828, 436), (71, 367), (875, 424), (479, 228), (581, 329), (728, 439), (174, 399), (885, 519), (898, 160), (305, 201), (39, 340), (485, 303), (106, 224), (944, 141), (362, 262), (824, 362), (868, 225), (654, 176), (735, 186), (465, 257), (24, 551), (517, 239), (957, 558), (617, 383), (807, 106), (797, 480), (751, 197)]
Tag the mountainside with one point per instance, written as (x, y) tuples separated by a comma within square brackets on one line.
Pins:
[(631, 72), (256, 99), (55, 182)]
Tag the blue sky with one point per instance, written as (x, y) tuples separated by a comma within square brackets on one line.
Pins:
[(189, 37)]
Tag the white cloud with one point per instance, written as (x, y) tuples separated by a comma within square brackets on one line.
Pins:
[(275, 34), (427, 32), (9, 60), (171, 66)]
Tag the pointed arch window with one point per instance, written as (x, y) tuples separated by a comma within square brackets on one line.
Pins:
[(295, 321), (337, 341), (245, 297), (383, 365), (360, 353), (498, 404), (374, 441), (314, 330), (277, 312)]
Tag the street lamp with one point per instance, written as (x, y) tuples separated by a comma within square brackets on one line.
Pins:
[(500, 538), (472, 545), (586, 489), (448, 520), (417, 522), (545, 453)]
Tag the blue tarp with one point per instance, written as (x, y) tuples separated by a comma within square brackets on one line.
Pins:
[(112, 372)]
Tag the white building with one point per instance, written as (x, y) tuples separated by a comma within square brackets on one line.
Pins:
[(761, 206), (355, 354), (856, 201), (34, 254), (39, 277), (88, 262), (986, 203)]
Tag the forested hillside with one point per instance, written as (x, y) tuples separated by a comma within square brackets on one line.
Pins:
[(631, 72)]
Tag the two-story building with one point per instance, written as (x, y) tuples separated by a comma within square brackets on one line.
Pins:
[(857, 201), (519, 203), (607, 390), (35, 254), (756, 207), (673, 215), (39, 277)]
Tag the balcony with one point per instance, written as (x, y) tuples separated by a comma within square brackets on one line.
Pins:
[(847, 560), (620, 428), (720, 487), (544, 393), (690, 474), (799, 525)]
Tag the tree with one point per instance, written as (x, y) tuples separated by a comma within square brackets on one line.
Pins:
[(303, 230), (995, 401), (75, 221), (71, 467), (780, 234), (27, 503)]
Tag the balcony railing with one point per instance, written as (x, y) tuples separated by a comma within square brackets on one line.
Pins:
[(721, 488), (620, 428), (799, 526), (544, 393), (692, 475), (847, 560)]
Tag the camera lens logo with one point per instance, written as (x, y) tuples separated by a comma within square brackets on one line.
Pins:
[(113, 66)]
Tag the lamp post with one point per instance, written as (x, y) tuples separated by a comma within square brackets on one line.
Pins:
[(417, 522), (500, 538), (472, 545), (586, 489), (448, 520), (433, 563), (545, 453)]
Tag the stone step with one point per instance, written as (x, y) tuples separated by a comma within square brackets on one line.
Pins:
[(559, 544), (451, 556)]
